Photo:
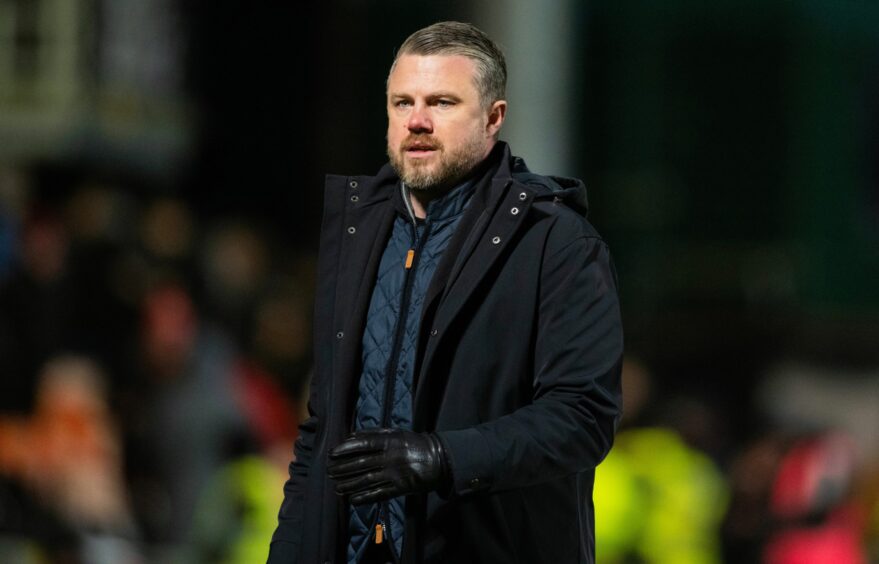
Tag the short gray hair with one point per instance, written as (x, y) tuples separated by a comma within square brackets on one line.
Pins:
[(457, 38)]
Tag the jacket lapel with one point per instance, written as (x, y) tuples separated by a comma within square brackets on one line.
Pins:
[(505, 210), (368, 218)]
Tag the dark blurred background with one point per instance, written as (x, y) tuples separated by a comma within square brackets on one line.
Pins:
[(161, 166)]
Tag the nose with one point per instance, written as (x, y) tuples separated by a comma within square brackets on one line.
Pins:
[(419, 120)]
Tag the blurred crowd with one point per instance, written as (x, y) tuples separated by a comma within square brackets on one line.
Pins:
[(155, 363), (152, 367), (802, 489)]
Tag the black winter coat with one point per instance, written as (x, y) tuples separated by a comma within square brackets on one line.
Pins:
[(517, 371)]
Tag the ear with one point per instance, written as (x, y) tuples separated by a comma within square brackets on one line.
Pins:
[(496, 115)]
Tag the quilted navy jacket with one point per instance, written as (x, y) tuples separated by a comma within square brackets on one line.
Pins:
[(390, 339), (517, 370)]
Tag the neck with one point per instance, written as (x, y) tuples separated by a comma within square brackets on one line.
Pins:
[(419, 209), (420, 198)]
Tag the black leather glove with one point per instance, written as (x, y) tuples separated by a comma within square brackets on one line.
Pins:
[(379, 464)]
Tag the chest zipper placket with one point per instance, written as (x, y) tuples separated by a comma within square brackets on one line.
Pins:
[(411, 266)]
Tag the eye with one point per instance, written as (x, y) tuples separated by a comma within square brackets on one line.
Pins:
[(402, 104), (445, 103)]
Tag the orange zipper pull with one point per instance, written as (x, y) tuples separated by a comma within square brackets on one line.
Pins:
[(410, 256), (379, 533)]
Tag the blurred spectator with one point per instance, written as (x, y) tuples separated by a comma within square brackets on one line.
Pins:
[(167, 237), (13, 188), (235, 263), (68, 457), (815, 519), (98, 217), (802, 489), (794, 502), (748, 522), (657, 498), (74, 457), (280, 337), (272, 419), (237, 510), (167, 231), (185, 417), (35, 308)]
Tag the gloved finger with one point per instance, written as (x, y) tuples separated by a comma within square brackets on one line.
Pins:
[(345, 467), (357, 443), (359, 484), (378, 493)]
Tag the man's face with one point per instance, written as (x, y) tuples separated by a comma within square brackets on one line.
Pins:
[(438, 129)]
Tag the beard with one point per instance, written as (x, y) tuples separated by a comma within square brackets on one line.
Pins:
[(445, 171)]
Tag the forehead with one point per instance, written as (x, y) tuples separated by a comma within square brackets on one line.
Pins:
[(424, 73)]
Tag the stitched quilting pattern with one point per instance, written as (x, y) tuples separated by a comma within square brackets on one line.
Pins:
[(378, 341)]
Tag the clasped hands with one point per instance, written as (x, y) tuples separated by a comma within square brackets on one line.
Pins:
[(378, 464)]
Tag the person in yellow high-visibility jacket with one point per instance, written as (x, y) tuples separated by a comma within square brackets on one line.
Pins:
[(659, 501)]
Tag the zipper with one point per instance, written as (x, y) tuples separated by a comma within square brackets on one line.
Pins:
[(410, 266), (382, 527)]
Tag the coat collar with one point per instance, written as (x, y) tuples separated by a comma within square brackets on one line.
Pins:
[(381, 187)]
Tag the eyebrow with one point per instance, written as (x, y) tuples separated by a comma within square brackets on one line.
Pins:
[(449, 95), (432, 96)]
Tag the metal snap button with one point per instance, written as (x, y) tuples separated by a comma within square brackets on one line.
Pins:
[(496, 240), (353, 184), (340, 334), (351, 230), (514, 211), (434, 333), (523, 196), (355, 198)]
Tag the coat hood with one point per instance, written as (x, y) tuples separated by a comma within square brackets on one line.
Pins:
[(570, 190)]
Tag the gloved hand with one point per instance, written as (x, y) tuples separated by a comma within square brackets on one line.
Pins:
[(379, 464)]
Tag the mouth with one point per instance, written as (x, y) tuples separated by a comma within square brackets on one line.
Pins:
[(420, 149)]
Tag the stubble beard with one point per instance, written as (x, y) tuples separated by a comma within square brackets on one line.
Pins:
[(438, 176)]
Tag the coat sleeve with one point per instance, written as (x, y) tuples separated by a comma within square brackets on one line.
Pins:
[(570, 423), (287, 538)]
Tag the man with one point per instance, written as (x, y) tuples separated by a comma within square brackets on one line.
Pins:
[(468, 340)]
